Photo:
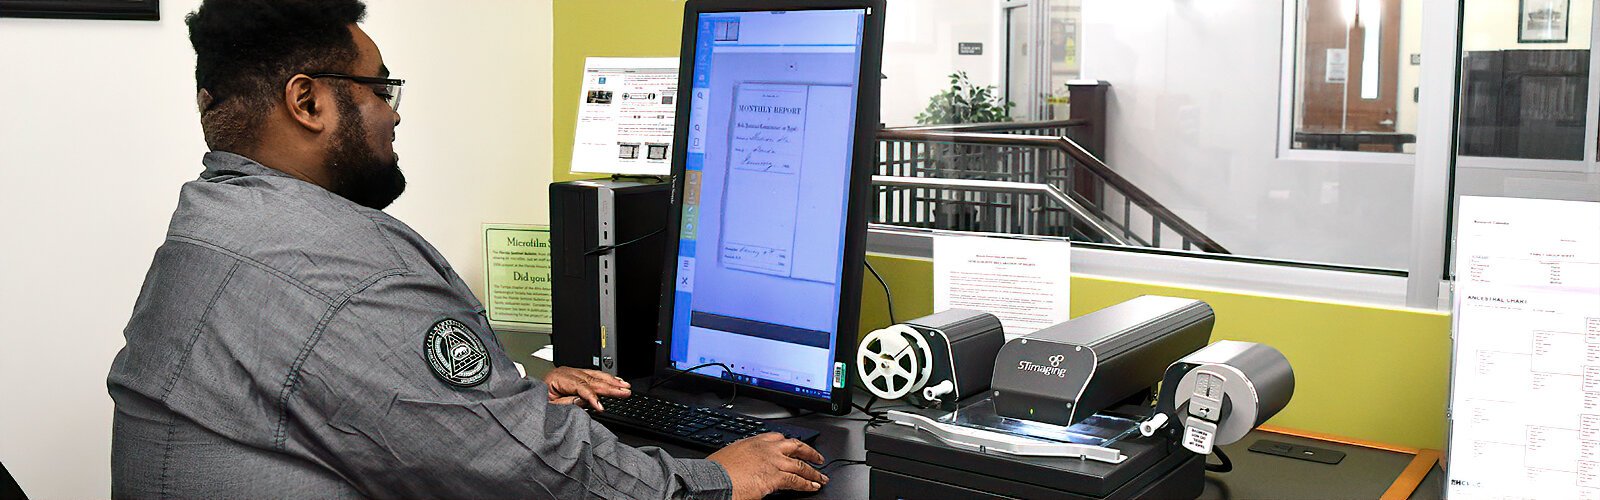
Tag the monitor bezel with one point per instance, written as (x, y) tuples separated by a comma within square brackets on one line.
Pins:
[(862, 165)]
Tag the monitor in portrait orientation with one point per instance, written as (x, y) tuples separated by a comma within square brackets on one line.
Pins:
[(768, 214)]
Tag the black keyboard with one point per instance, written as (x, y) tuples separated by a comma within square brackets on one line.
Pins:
[(693, 426)]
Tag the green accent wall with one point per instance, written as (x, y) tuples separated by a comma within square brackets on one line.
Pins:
[(1363, 372), (602, 28)]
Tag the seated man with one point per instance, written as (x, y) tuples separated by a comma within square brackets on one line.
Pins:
[(293, 340)]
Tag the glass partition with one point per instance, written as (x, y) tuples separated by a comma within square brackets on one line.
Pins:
[(1357, 64), (1527, 101), (1525, 83), (1155, 125)]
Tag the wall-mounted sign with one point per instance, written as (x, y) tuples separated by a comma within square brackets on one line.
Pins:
[(970, 48)]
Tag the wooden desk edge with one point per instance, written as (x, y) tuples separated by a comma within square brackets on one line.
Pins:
[(1411, 478), (1422, 460)]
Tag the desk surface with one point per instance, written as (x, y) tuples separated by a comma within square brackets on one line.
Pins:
[(1364, 473)]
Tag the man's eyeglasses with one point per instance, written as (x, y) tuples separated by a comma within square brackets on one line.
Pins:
[(386, 88)]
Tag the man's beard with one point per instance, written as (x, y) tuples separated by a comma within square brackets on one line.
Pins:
[(358, 174)]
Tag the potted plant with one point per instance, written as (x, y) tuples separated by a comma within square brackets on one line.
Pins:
[(965, 102)]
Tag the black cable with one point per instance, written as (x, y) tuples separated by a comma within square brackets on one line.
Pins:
[(640, 177), (1225, 466), (725, 368), (887, 297), (607, 248), (862, 409), (873, 417), (845, 461)]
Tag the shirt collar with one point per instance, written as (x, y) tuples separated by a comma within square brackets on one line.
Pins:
[(222, 165)]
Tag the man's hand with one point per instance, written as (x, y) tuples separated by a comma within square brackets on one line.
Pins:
[(576, 386), (766, 463)]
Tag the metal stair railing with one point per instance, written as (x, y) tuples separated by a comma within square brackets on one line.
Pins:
[(958, 152), (1050, 192), (1051, 128)]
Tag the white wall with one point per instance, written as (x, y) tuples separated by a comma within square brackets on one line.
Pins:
[(98, 130), (1194, 121), (919, 51)]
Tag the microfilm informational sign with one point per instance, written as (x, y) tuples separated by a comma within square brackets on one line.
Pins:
[(517, 271)]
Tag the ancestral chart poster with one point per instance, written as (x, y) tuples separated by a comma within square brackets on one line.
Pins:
[(1525, 385)]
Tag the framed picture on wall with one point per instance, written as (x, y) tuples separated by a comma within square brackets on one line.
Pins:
[(1542, 21), (138, 10)]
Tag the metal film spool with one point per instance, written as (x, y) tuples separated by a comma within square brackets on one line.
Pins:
[(894, 361)]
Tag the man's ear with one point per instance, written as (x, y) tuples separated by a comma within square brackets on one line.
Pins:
[(306, 103), (203, 100)]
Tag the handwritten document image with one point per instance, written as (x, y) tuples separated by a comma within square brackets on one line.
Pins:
[(788, 167), (766, 149)]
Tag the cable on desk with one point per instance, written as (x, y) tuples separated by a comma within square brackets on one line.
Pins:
[(887, 297), (1225, 466), (726, 368), (845, 461), (873, 417)]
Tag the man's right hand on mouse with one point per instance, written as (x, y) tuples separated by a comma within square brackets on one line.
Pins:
[(763, 464)]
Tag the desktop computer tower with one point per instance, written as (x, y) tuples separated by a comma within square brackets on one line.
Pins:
[(606, 299)]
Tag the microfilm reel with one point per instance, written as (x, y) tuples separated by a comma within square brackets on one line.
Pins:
[(894, 361)]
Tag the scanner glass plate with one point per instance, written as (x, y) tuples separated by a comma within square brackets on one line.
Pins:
[(1097, 430)]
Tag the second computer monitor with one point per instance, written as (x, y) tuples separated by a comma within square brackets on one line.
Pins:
[(769, 210)]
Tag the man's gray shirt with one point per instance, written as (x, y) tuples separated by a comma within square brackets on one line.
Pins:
[(277, 350)]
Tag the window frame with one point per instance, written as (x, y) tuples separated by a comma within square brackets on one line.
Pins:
[(1422, 286), (1287, 92), (1590, 163)]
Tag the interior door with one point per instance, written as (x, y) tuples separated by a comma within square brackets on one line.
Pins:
[(1021, 65), (1352, 60)]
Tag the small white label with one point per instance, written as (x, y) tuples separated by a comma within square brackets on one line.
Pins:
[(1199, 435)]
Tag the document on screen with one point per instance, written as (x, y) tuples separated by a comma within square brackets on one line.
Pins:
[(776, 131)]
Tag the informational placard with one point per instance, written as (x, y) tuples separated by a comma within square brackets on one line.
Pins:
[(1025, 283), (517, 268), (1337, 69), (625, 116), (1525, 385)]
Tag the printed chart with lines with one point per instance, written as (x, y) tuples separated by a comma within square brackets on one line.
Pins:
[(1525, 388)]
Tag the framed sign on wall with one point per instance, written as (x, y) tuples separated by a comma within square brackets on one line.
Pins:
[(1542, 21), (137, 10)]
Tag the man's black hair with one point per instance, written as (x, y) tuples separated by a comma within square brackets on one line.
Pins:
[(245, 50)]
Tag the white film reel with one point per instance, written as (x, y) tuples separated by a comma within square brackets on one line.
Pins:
[(894, 361)]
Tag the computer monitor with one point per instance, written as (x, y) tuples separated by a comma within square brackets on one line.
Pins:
[(771, 180)]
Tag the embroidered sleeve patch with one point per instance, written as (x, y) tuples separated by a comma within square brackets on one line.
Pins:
[(455, 354)]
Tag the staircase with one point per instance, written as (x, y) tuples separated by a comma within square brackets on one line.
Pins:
[(1031, 178)]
